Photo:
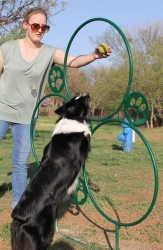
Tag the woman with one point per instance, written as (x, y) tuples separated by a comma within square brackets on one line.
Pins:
[(25, 64)]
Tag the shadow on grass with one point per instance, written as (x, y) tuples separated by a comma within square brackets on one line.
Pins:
[(75, 210), (116, 147), (5, 187), (61, 245)]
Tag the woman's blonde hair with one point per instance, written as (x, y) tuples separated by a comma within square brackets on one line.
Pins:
[(33, 11)]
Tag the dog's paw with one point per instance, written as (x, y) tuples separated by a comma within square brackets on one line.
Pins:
[(72, 188), (87, 132)]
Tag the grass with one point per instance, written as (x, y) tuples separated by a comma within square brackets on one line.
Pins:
[(5, 232), (122, 184)]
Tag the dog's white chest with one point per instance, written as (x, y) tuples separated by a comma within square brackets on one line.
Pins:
[(67, 126)]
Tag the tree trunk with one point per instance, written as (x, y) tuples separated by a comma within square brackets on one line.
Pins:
[(147, 122)]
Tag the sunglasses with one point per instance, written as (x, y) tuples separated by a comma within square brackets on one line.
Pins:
[(35, 27)]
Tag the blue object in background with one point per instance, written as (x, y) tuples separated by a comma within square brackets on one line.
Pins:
[(126, 137)]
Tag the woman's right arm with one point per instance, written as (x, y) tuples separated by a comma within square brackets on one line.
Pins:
[(1, 62)]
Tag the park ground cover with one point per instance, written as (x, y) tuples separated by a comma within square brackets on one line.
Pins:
[(122, 184)]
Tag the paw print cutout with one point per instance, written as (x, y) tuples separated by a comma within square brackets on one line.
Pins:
[(136, 109), (56, 79)]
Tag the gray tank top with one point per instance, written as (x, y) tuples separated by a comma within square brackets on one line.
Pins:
[(22, 83)]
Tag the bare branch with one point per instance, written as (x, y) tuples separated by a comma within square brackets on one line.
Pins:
[(11, 11)]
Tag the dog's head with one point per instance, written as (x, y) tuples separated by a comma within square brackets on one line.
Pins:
[(76, 109)]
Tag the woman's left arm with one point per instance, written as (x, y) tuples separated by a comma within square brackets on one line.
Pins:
[(79, 61)]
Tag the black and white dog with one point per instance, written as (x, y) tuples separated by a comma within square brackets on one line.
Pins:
[(33, 217)]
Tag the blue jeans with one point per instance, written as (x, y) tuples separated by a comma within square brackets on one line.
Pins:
[(20, 156)]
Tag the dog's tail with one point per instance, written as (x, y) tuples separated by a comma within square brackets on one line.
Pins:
[(21, 237)]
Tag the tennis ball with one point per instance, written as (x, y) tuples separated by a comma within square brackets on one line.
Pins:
[(103, 48)]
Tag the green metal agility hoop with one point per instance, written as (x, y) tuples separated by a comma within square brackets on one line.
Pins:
[(57, 87), (117, 223), (129, 56), (33, 122)]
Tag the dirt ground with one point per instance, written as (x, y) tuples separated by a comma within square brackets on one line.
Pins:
[(89, 226), (76, 222)]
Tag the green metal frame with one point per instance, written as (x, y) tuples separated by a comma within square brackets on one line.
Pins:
[(117, 223), (58, 81), (129, 56)]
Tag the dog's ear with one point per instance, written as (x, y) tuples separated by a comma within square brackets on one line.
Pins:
[(67, 108), (61, 110), (65, 111), (76, 107)]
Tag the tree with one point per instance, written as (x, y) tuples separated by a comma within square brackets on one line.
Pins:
[(77, 81), (11, 12), (146, 44), (148, 76)]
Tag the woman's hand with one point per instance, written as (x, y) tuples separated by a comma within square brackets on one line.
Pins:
[(98, 55)]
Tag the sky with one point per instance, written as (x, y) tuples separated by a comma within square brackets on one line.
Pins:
[(123, 13)]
